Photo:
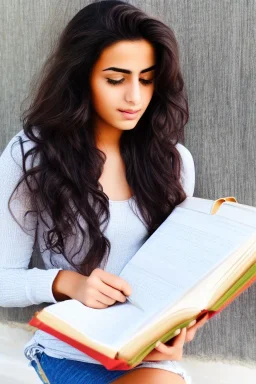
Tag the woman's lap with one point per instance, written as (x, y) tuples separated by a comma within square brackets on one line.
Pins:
[(58, 371), (52, 370)]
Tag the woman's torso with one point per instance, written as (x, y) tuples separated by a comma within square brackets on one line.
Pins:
[(126, 232)]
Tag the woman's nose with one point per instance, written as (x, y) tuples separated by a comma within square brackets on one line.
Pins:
[(133, 93)]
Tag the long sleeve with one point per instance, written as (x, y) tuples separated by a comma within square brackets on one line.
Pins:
[(187, 170), (19, 286)]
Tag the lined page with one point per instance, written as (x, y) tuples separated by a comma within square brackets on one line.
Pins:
[(238, 212), (184, 249), (197, 204)]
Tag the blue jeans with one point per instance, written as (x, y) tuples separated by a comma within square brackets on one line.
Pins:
[(60, 371), (52, 370)]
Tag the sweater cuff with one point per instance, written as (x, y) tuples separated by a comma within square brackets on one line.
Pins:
[(39, 285)]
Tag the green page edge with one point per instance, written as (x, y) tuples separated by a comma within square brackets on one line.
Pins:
[(239, 283), (170, 334)]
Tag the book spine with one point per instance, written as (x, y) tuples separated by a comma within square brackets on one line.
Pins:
[(111, 364)]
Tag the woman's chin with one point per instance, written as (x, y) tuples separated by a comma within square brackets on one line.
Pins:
[(126, 126)]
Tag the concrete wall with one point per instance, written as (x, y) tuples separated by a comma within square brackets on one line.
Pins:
[(217, 46)]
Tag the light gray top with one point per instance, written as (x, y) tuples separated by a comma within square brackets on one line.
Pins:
[(20, 286)]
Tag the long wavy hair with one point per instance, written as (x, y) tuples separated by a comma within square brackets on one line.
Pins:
[(64, 183)]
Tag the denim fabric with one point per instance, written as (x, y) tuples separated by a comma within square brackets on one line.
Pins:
[(53, 370), (59, 371)]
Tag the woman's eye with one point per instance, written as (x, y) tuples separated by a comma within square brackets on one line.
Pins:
[(146, 82), (115, 82)]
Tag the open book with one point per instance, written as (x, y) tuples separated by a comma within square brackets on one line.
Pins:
[(199, 260)]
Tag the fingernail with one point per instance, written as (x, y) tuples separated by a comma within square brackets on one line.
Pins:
[(177, 332), (157, 343), (191, 323)]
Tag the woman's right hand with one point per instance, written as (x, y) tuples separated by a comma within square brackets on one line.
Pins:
[(99, 290)]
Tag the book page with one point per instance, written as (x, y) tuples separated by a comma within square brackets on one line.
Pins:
[(106, 326), (186, 248), (238, 212), (197, 204)]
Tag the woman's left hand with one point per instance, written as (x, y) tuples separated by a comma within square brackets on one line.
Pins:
[(175, 351)]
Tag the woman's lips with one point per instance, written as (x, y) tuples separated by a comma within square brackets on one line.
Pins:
[(129, 115)]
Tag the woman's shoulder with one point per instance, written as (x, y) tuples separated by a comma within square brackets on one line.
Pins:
[(11, 159), (187, 169), (13, 147)]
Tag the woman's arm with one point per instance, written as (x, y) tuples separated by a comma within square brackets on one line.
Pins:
[(19, 286), (65, 284)]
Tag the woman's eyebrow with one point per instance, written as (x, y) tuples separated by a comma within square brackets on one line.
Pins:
[(127, 71)]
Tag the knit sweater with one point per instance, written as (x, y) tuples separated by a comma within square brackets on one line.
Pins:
[(20, 286)]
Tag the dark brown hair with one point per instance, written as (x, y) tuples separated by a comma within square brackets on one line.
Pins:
[(64, 183)]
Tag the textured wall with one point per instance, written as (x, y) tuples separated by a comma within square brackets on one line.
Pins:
[(218, 57)]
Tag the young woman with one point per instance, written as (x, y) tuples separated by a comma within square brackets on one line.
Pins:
[(95, 170)]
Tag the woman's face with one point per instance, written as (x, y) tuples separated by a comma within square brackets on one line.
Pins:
[(122, 84)]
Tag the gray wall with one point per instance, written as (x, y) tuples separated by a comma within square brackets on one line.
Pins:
[(218, 56)]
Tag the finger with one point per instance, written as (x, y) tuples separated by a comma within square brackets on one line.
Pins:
[(104, 299), (203, 320), (162, 348), (191, 323), (192, 331), (190, 334), (177, 336), (116, 282), (176, 333), (98, 305), (198, 323), (178, 342), (112, 293), (167, 353)]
